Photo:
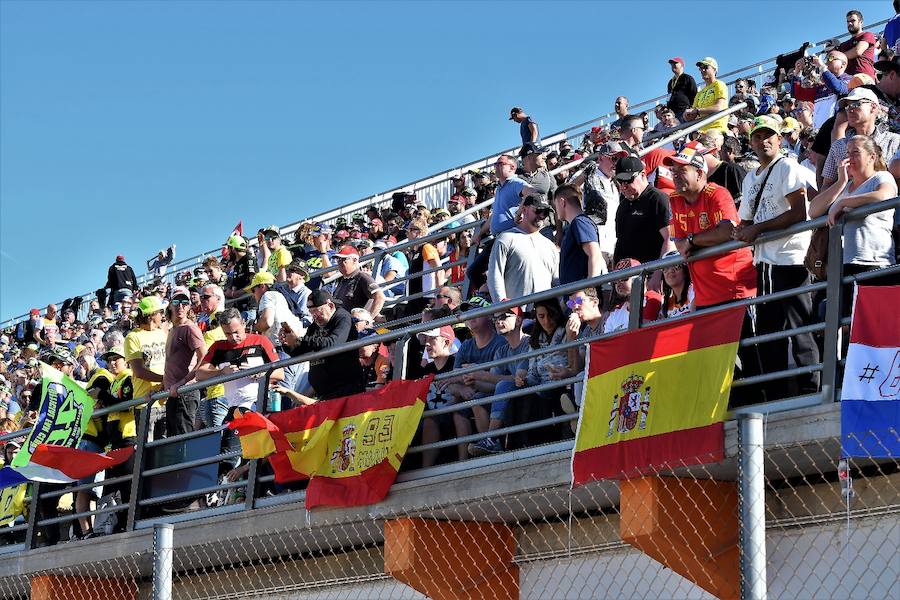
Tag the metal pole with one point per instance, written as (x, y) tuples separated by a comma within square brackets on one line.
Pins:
[(162, 561), (752, 501)]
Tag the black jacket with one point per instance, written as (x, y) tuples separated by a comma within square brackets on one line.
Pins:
[(340, 374), (682, 93), (121, 276)]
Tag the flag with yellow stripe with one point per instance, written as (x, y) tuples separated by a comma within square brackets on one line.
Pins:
[(367, 444), (657, 397), (307, 430), (259, 436)]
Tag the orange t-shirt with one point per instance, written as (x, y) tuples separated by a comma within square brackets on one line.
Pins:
[(721, 278)]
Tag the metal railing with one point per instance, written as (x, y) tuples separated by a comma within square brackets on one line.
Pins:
[(435, 189), (136, 509)]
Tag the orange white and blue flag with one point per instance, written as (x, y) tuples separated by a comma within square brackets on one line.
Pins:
[(870, 395), (657, 398)]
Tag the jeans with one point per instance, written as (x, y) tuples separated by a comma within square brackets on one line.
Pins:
[(498, 407), (181, 413)]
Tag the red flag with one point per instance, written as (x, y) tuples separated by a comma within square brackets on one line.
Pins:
[(238, 230), (259, 436)]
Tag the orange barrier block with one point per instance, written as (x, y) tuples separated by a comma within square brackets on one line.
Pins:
[(452, 560), (72, 587), (688, 525)]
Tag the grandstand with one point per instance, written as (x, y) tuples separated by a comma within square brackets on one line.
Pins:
[(506, 522)]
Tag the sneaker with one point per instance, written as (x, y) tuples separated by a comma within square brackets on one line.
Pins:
[(565, 400), (485, 447)]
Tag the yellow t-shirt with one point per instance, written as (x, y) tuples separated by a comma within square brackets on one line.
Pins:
[(280, 258), (151, 347), (707, 97), (209, 336)]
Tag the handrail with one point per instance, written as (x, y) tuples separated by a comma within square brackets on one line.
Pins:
[(358, 204), (555, 292)]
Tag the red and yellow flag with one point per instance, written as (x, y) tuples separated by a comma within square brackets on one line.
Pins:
[(307, 429), (350, 447), (259, 436), (367, 444), (657, 397)]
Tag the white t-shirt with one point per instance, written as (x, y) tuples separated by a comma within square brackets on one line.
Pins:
[(787, 177), (281, 313)]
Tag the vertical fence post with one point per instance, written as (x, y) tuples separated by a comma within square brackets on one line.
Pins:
[(162, 561), (833, 312), (752, 502), (635, 302)]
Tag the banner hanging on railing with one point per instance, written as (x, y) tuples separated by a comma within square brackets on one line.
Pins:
[(870, 395), (63, 415), (657, 397), (350, 447)]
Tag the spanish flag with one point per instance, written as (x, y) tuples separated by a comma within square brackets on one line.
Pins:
[(367, 444), (657, 398), (259, 436), (307, 430)]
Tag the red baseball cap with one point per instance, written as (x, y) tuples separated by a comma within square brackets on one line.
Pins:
[(348, 251), (445, 332), (677, 59), (120, 257)]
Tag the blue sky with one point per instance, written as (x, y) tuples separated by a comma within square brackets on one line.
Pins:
[(127, 126)]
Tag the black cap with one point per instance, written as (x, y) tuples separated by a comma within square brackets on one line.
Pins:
[(627, 167), (537, 203), (531, 148), (889, 65), (515, 110), (320, 297)]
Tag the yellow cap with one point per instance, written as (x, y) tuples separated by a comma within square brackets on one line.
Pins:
[(263, 277)]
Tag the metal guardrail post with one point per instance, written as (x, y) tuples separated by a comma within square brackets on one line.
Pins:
[(137, 480), (31, 532), (833, 308), (473, 253), (401, 356), (262, 405), (752, 503), (163, 534)]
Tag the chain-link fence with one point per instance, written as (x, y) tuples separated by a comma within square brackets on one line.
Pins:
[(831, 530)]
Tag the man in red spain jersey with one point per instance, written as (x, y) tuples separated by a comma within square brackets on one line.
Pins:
[(703, 214)]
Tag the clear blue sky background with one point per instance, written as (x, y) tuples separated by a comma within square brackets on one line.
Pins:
[(126, 126)]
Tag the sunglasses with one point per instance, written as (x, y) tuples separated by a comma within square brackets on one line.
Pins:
[(206, 296), (857, 104), (176, 303), (575, 302), (502, 316)]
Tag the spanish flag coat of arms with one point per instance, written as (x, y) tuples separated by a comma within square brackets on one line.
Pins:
[(657, 397)]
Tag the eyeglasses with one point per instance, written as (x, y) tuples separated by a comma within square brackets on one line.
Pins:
[(206, 296), (857, 104), (575, 302), (177, 303), (443, 296)]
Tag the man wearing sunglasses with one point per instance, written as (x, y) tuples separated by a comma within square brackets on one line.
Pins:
[(145, 351), (185, 349), (279, 257), (711, 99), (862, 109), (642, 221)]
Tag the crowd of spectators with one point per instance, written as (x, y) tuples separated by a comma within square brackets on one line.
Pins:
[(819, 137)]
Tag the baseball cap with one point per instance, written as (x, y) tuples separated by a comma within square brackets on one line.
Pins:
[(537, 203), (320, 297), (516, 310), (181, 291), (529, 148), (766, 122), (236, 242), (381, 245), (342, 234), (297, 266), (612, 149), (120, 258), (476, 301), (514, 111), (35, 312), (321, 230), (261, 278), (889, 65), (628, 167), (114, 351), (347, 251), (691, 154), (790, 124), (626, 263), (469, 192), (272, 229), (859, 93), (677, 59), (150, 305), (709, 61), (445, 332), (456, 199)]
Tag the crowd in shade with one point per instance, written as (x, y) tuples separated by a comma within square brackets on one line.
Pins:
[(821, 136)]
